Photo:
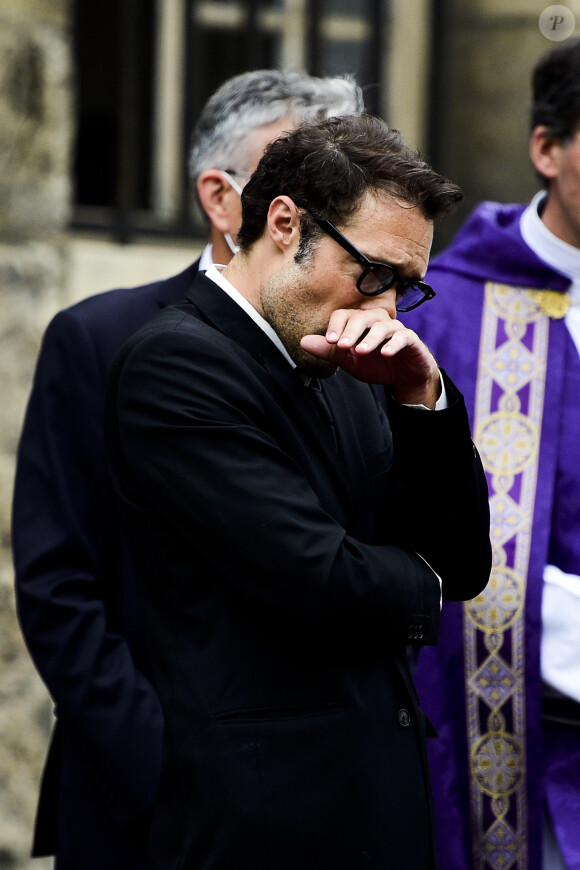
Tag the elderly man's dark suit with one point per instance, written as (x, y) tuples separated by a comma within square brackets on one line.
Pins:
[(76, 594), (277, 558)]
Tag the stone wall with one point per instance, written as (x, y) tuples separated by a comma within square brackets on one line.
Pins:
[(35, 139), (485, 51)]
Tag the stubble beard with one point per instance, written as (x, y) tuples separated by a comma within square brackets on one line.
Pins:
[(290, 310)]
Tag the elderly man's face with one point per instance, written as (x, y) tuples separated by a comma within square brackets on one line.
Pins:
[(299, 299)]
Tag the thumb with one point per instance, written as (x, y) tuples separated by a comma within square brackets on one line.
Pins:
[(318, 346)]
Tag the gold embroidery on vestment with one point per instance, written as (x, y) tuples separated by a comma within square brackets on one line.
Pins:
[(550, 302), (508, 416)]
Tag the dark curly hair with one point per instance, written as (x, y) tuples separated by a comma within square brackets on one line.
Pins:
[(330, 165), (556, 91)]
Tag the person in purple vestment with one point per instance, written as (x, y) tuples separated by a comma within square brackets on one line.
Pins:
[(77, 603), (503, 685)]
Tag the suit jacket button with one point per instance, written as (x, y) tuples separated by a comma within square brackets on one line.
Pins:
[(404, 718)]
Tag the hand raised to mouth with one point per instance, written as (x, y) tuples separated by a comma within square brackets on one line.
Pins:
[(374, 347)]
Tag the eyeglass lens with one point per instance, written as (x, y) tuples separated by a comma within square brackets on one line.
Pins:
[(379, 279), (411, 296)]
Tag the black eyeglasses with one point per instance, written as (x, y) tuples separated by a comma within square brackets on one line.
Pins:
[(375, 278)]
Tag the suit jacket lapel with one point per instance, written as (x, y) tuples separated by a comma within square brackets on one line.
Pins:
[(225, 315)]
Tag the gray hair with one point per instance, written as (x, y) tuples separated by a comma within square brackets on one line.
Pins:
[(222, 138)]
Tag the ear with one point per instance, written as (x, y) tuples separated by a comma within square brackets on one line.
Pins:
[(219, 200), (545, 151), (283, 223)]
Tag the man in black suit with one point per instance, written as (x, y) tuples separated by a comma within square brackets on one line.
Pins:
[(290, 539), (76, 596)]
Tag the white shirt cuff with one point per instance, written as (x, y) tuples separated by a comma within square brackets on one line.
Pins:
[(441, 402)]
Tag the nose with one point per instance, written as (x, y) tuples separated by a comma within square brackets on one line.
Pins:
[(391, 302), (387, 301)]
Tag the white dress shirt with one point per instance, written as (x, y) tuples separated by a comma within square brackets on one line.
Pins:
[(206, 259)]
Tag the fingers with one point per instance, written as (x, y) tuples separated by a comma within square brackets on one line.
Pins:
[(374, 347), (399, 340), (364, 330)]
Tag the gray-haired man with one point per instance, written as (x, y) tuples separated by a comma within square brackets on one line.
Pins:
[(77, 604), (238, 121)]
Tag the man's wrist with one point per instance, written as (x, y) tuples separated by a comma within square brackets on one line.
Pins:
[(441, 402)]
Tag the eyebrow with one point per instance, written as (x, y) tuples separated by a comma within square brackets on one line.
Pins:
[(401, 268), (321, 220)]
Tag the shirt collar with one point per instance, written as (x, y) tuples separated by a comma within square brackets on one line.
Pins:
[(206, 259), (560, 255), (214, 274)]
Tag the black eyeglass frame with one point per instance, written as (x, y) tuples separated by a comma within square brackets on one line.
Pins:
[(370, 266)]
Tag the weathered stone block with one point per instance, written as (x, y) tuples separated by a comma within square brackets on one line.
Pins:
[(35, 130), (35, 135)]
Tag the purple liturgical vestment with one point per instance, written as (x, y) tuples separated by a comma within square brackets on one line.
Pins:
[(496, 326)]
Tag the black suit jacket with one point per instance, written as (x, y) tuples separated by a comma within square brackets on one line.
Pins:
[(76, 595), (280, 565)]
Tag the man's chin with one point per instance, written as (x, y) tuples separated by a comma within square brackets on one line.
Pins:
[(314, 367)]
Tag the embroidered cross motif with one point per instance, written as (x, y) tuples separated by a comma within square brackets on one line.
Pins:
[(508, 416)]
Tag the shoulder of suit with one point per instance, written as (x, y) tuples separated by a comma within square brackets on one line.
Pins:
[(130, 301)]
